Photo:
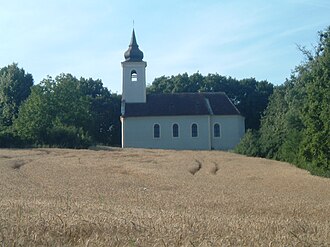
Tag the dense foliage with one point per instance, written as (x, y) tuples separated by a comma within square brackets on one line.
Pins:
[(248, 95), (64, 112), (296, 124), (15, 87)]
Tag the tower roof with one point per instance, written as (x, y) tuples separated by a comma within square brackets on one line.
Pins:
[(133, 54)]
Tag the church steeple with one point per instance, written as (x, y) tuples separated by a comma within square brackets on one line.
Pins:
[(133, 54), (134, 74)]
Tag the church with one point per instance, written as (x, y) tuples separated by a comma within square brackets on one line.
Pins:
[(192, 121)]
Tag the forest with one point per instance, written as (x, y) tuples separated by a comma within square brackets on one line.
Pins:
[(288, 122), (295, 126)]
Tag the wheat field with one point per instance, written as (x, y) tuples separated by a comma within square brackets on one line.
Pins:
[(139, 197)]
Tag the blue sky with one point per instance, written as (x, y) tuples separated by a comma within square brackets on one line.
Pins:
[(88, 38)]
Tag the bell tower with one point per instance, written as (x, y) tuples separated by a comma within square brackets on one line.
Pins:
[(134, 74)]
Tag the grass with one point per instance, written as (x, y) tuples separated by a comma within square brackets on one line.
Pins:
[(132, 197)]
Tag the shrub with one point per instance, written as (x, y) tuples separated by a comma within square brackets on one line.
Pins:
[(8, 139), (249, 145), (68, 137)]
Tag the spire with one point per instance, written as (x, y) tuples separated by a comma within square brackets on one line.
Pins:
[(133, 54), (133, 39)]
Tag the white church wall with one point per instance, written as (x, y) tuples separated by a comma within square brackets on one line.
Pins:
[(232, 129), (138, 132)]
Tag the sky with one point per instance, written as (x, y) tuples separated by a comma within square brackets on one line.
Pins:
[(88, 38)]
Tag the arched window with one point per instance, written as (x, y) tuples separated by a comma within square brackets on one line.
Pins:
[(194, 130), (156, 130), (216, 130), (133, 75), (175, 130)]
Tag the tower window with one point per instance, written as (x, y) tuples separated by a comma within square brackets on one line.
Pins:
[(216, 130), (175, 129), (133, 75), (194, 130), (156, 131)]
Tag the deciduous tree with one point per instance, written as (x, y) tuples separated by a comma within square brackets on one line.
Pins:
[(15, 87)]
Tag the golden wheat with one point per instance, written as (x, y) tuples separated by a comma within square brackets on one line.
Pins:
[(138, 197)]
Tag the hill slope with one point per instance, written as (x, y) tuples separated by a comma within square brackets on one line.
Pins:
[(137, 197)]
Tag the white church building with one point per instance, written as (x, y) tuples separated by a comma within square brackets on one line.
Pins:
[(199, 121)]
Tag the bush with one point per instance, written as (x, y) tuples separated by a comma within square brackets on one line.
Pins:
[(8, 139), (249, 145), (68, 137)]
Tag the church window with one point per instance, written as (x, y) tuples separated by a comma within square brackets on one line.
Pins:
[(216, 130), (156, 131), (133, 76), (194, 130), (175, 130)]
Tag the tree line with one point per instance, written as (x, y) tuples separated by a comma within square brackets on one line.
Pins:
[(59, 112), (289, 122), (296, 124)]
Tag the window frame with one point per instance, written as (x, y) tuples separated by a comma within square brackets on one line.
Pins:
[(177, 131), (154, 131), (218, 132), (192, 130)]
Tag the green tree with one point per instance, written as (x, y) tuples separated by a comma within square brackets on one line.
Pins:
[(72, 105), (68, 112), (282, 124), (272, 131), (251, 98), (317, 117), (56, 113), (249, 145), (15, 87), (105, 110), (36, 115), (296, 124)]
